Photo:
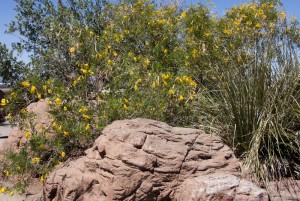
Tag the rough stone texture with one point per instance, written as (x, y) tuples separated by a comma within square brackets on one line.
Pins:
[(140, 159), (17, 136), (286, 190), (219, 186)]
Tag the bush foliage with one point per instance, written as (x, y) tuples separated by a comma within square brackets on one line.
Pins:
[(236, 76)]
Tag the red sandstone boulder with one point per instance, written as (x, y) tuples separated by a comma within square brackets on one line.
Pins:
[(41, 119), (140, 159)]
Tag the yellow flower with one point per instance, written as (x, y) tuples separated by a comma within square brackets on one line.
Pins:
[(42, 178), (130, 54), (40, 126), (194, 53), (35, 160), (83, 110), (183, 15), (258, 25), (65, 108), (125, 106), (165, 76), (33, 89), (139, 80), (135, 59), (99, 56), (9, 117), (108, 61), (193, 83), (4, 102), (227, 32), (84, 71), (109, 47), (58, 101), (23, 111), (165, 84), (25, 84), (171, 92), (74, 83), (146, 62), (180, 98), (72, 50), (13, 95), (115, 54), (135, 87), (49, 91), (63, 154), (66, 134), (91, 73), (86, 117), (6, 172), (153, 85), (126, 100), (27, 135), (91, 34), (3, 190), (282, 15), (165, 51), (39, 96), (88, 127), (11, 193)]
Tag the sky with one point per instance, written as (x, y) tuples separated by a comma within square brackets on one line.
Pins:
[(7, 14)]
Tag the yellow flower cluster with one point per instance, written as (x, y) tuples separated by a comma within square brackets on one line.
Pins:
[(72, 50), (57, 101), (4, 102), (186, 79), (27, 135), (35, 160), (63, 154), (26, 84), (3, 190), (56, 126)]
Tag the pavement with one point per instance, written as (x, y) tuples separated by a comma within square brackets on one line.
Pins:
[(5, 129)]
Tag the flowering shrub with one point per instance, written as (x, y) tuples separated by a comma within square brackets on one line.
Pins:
[(186, 68)]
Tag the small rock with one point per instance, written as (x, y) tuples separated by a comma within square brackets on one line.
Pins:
[(219, 186)]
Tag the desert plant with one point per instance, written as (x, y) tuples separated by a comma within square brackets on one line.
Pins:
[(257, 94)]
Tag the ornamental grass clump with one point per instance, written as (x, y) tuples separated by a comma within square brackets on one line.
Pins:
[(257, 85)]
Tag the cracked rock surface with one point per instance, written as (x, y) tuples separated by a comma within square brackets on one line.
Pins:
[(140, 159)]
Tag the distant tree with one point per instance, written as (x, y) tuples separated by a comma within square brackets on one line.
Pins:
[(11, 69)]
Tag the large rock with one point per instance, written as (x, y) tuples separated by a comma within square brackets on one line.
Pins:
[(16, 138), (140, 159), (219, 186)]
